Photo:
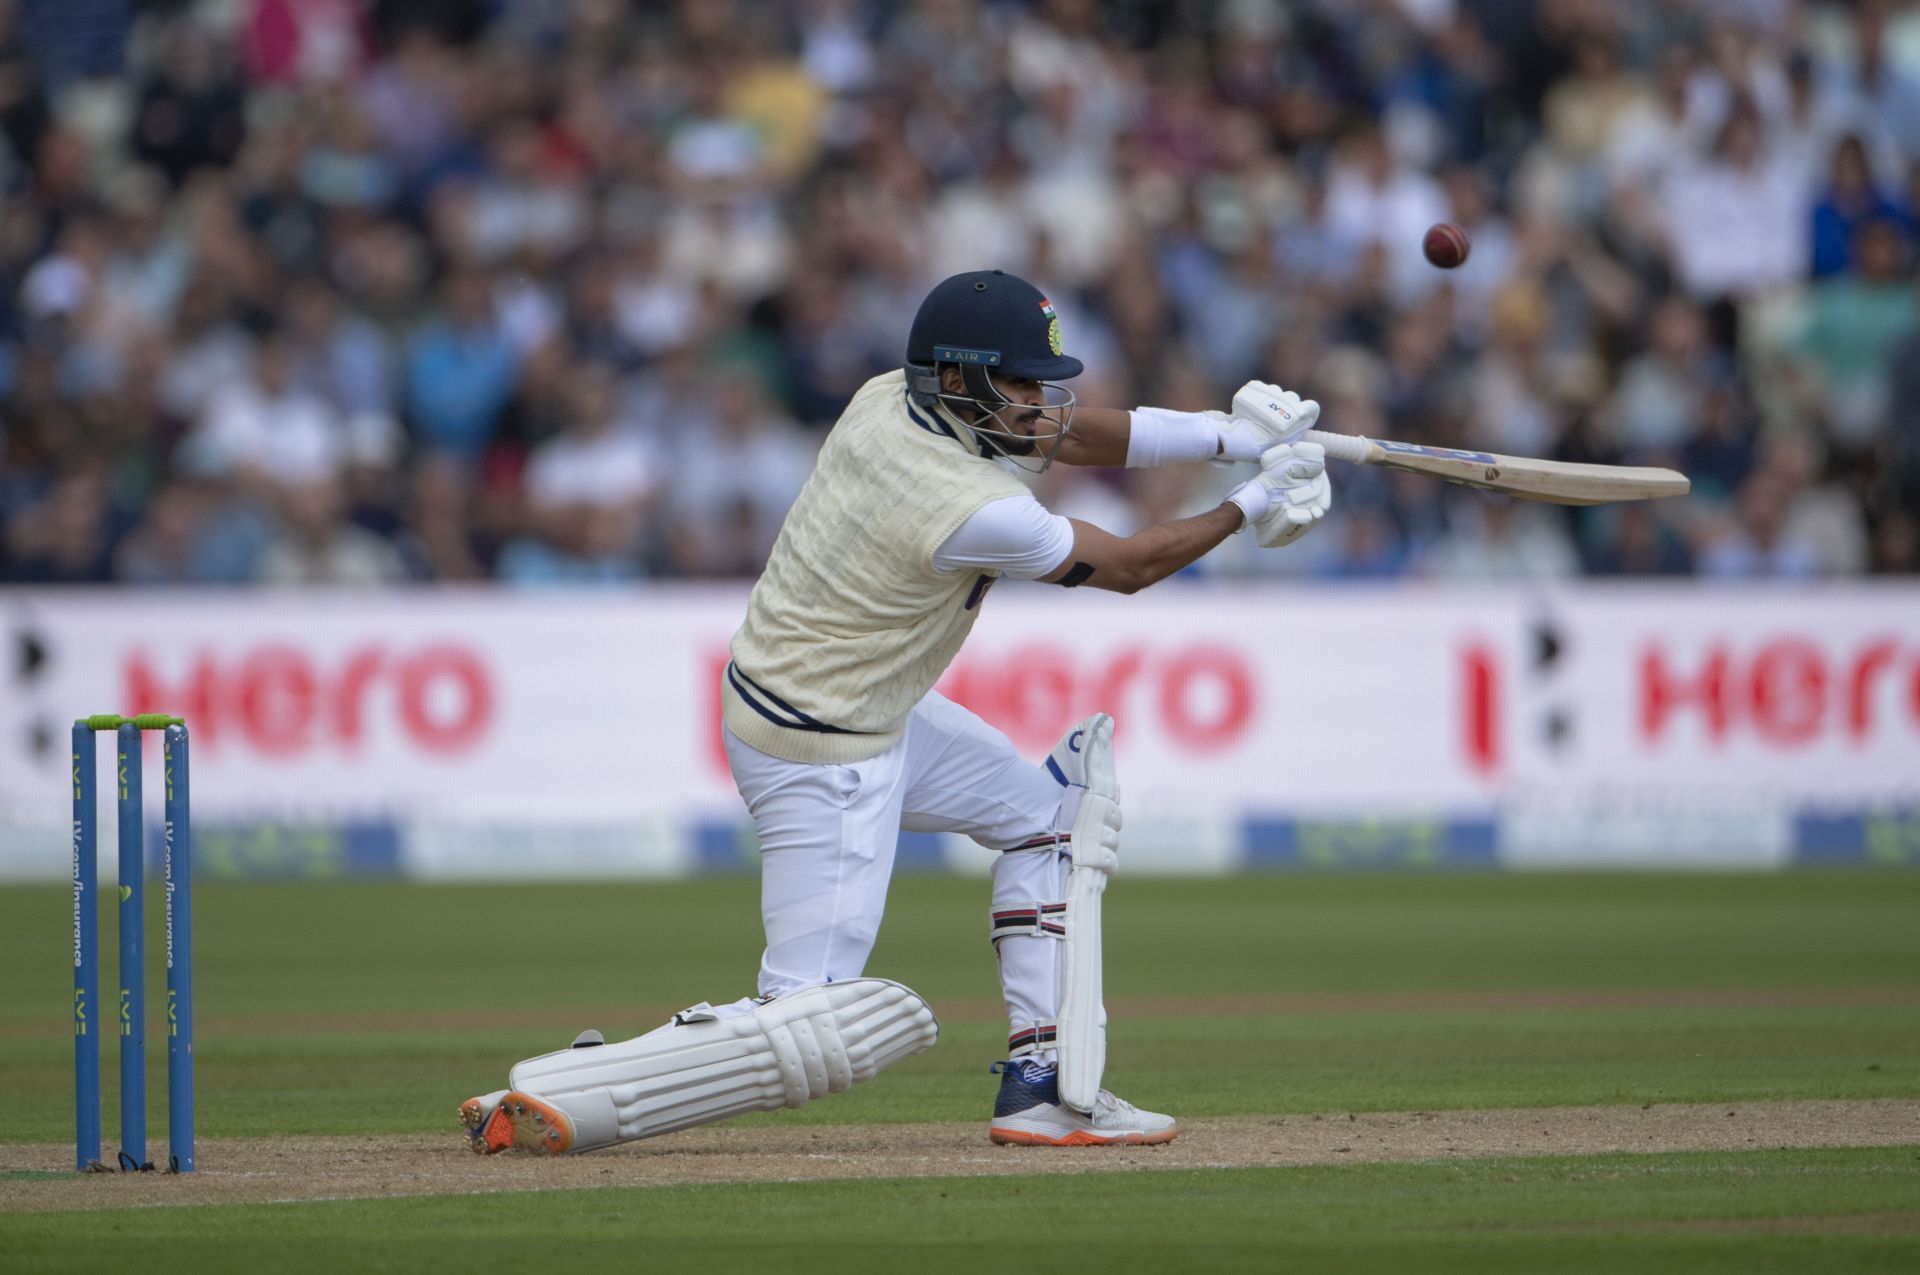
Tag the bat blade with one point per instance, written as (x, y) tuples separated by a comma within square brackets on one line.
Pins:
[(1554, 481)]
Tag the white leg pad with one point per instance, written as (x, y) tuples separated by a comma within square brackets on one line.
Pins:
[(704, 1067), (1095, 849)]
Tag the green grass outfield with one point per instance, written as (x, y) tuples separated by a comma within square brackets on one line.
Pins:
[(1754, 1212), (336, 1007)]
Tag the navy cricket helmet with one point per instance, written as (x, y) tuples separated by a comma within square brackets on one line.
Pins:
[(989, 321)]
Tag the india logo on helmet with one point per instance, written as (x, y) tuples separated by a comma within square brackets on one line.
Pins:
[(1054, 344)]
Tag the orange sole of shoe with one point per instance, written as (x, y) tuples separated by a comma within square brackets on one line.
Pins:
[(521, 1121), (1079, 1138), (496, 1135), (488, 1131)]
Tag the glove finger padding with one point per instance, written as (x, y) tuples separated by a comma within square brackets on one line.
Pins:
[(1315, 494), (1299, 511), (1294, 462), (1288, 477), (1283, 414), (1264, 416)]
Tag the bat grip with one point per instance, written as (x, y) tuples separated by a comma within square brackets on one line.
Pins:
[(1347, 447)]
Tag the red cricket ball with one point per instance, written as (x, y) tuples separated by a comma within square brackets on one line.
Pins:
[(1446, 245)]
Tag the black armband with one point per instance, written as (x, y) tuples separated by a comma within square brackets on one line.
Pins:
[(1077, 576)]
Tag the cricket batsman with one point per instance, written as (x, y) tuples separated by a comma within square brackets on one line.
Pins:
[(838, 741)]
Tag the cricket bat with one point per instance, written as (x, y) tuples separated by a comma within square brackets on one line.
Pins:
[(1556, 482)]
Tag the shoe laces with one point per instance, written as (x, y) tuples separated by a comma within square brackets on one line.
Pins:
[(1031, 1071)]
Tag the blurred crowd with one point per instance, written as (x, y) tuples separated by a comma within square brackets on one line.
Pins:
[(546, 291)]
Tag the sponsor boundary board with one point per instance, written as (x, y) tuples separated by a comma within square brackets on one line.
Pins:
[(455, 733)]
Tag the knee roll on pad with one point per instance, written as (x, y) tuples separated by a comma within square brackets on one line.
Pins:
[(703, 1067)]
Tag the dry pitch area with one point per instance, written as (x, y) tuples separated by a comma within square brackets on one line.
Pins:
[(261, 1170)]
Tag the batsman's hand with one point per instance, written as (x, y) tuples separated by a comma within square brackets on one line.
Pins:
[(1289, 497), (1264, 416)]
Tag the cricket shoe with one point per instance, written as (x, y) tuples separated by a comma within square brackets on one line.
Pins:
[(510, 1119), (476, 1116), (1029, 1113)]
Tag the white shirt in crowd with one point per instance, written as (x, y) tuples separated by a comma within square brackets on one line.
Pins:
[(1738, 231), (293, 437), (607, 470), (1395, 215), (764, 469)]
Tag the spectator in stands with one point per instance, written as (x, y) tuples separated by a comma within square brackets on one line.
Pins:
[(1386, 201), (195, 532), (1737, 222), (1754, 541), (338, 354), (1850, 201), (1823, 511), (1502, 539), (439, 539), (1885, 94), (1850, 325), (192, 114), (264, 431), (1583, 110), (209, 349), (295, 42), (734, 481), (66, 538), (1685, 216), (1902, 445), (1638, 541), (588, 492), (317, 545), (1656, 404), (460, 370)]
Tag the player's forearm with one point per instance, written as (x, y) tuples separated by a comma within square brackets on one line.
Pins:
[(1098, 438), (1159, 551)]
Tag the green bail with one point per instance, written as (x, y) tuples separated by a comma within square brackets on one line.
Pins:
[(143, 721)]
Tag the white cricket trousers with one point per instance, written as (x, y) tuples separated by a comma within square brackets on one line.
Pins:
[(828, 835)]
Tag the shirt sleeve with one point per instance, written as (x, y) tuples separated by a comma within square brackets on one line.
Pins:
[(1014, 536)]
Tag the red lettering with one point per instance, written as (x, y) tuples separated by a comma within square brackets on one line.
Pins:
[(1661, 693), (349, 694), (957, 683), (1789, 689), (1202, 698), (716, 741), (1183, 718), (1480, 708), (1039, 699), (1870, 662), (193, 699), (1110, 690), (276, 700), (446, 700), (282, 703)]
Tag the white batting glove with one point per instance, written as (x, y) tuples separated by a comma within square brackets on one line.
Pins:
[(1289, 497), (1264, 416)]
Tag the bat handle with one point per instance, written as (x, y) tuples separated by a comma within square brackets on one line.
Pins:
[(1347, 447)]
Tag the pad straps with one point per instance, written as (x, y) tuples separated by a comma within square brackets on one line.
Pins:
[(1032, 1038), (1041, 920)]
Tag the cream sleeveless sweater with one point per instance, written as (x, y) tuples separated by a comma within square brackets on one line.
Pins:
[(850, 625)]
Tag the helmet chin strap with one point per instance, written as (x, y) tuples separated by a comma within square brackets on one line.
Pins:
[(986, 399), (959, 422)]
